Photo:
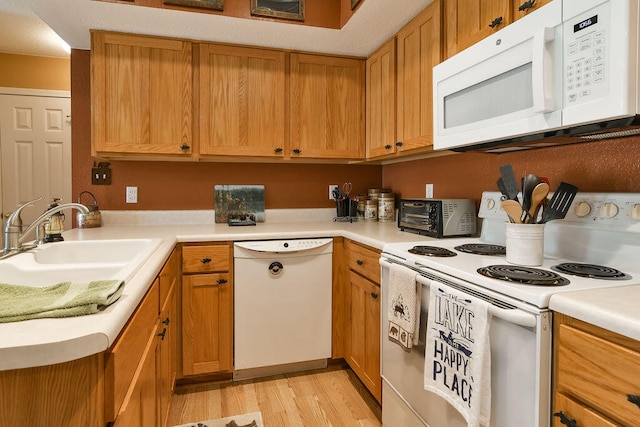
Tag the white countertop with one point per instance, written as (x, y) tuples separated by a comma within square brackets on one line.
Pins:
[(615, 309), (41, 342)]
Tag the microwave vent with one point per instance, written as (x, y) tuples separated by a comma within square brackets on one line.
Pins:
[(611, 135)]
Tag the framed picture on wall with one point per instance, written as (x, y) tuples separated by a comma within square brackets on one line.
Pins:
[(286, 9), (205, 4), (354, 3)]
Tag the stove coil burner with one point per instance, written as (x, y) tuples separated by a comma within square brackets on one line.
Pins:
[(524, 275), (482, 249), (592, 271), (433, 251)]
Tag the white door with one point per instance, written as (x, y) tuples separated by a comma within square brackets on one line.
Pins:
[(35, 150)]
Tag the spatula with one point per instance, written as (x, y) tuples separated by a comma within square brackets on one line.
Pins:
[(509, 182), (560, 203)]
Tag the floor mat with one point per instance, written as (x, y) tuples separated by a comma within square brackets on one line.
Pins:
[(253, 419)]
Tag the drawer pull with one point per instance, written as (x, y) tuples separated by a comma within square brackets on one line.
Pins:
[(297, 151), (387, 147), (221, 281), (374, 295), (166, 321), (496, 22), (564, 419), (360, 262), (634, 399), (163, 333), (526, 5), (206, 260), (277, 150), (185, 147)]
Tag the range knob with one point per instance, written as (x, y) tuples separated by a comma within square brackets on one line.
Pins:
[(634, 212), (582, 209), (608, 210), (490, 204)]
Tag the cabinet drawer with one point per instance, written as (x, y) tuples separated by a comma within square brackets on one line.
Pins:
[(580, 413), (364, 260), (599, 373), (205, 259), (125, 356)]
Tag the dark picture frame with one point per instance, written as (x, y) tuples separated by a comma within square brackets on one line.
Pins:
[(284, 9), (354, 3), (204, 4)]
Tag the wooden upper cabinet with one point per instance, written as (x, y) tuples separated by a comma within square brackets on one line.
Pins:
[(469, 21), (418, 50), (380, 109), (522, 8), (242, 101), (141, 89), (326, 115)]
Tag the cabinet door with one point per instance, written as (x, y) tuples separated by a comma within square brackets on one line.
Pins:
[(207, 323), (419, 50), (381, 101), (140, 405), (468, 21), (522, 8), (141, 95), (326, 113), (167, 365), (242, 101), (363, 350)]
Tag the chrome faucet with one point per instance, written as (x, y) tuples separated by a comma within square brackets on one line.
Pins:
[(14, 236)]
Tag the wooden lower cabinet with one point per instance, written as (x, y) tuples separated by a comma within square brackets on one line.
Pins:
[(363, 337), (596, 376), (207, 309)]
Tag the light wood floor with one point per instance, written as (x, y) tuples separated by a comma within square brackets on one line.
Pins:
[(328, 397)]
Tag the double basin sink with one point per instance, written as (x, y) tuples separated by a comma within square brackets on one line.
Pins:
[(80, 261)]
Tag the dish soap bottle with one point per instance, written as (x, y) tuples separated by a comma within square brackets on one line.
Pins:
[(55, 226)]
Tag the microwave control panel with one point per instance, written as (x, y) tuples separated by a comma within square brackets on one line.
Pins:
[(586, 49)]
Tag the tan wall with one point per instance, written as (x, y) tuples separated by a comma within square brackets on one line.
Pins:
[(34, 72)]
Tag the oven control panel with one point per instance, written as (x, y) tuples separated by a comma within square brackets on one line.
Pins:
[(615, 209)]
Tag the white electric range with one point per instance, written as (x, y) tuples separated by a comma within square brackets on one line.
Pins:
[(599, 236)]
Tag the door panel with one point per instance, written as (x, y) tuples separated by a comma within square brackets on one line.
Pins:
[(35, 143)]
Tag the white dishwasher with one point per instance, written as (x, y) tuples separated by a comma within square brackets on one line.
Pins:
[(282, 306)]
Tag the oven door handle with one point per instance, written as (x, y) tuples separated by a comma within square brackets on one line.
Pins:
[(515, 315)]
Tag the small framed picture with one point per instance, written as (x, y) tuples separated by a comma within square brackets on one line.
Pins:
[(285, 9), (205, 4), (354, 3)]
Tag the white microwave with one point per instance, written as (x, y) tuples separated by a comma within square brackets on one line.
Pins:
[(566, 73)]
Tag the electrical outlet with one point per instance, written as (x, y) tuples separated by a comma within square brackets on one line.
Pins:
[(132, 194), (429, 191), (331, 189)]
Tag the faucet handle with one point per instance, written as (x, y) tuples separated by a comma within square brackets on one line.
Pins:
[(14, 219)]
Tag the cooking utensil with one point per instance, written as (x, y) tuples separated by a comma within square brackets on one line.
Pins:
[(346, 189), (528, 184), (513, 210), (502, 189), (538, 194), (509, 182), (560, 202)]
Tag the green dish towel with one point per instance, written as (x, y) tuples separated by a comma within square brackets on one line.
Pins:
[(65, 299)]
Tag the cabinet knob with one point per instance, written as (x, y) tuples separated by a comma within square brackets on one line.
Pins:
[(166, 321), (162, 334), (399, 144), (526, 5), (374, 295), (221, 281), (564, 419), (297, 151), (359, 262), (634, 399), (185, 147), (277, 150), (387, 147), (496, 22), (206, 260)]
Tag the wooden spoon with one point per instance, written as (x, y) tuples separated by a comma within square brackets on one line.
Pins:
[(513, 210), (538, 194)]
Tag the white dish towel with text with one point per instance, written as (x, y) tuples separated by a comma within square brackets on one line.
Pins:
[(458, 354), (403, 307)]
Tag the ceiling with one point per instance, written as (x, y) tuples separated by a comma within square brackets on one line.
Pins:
[(30, 26)]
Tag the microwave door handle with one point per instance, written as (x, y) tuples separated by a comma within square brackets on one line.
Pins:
[(513, 315), (542, 71)]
